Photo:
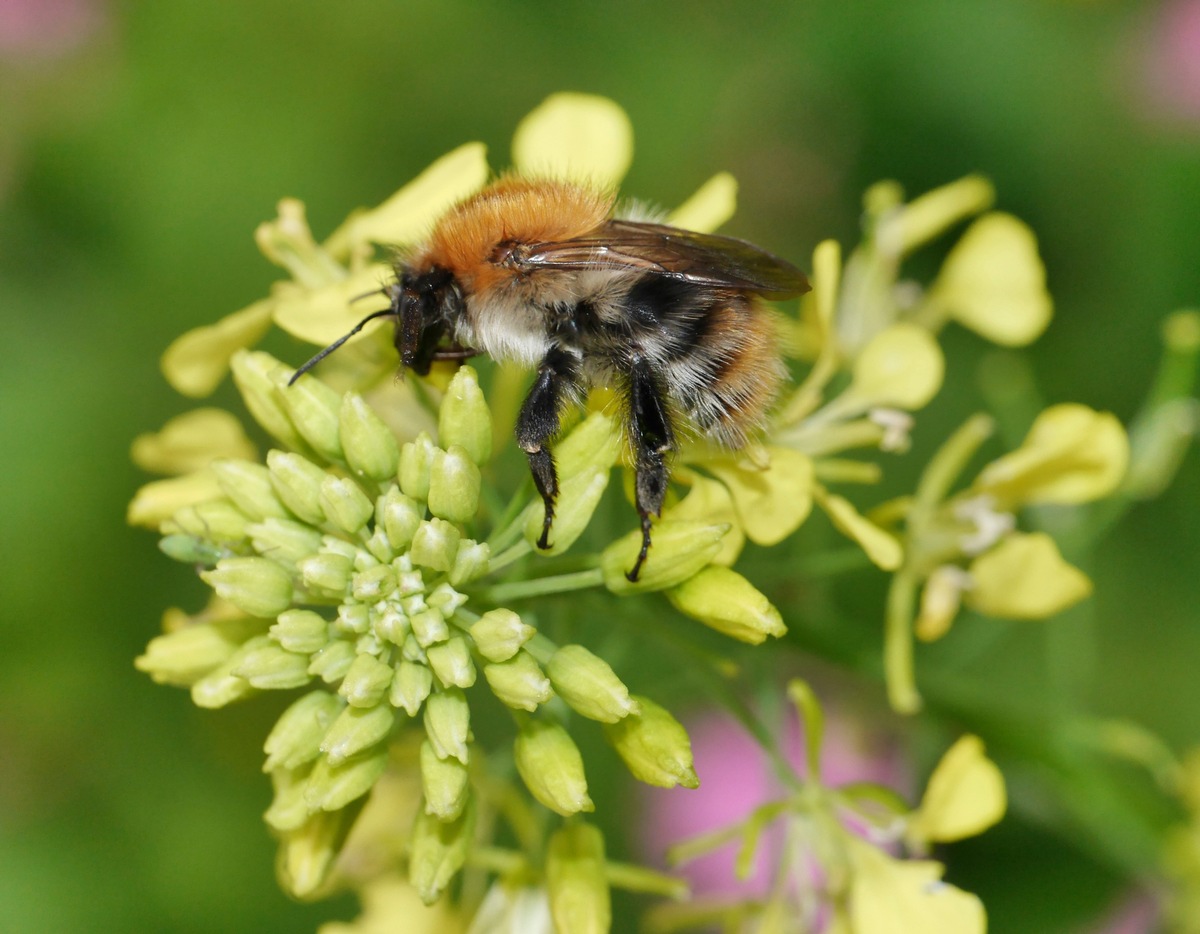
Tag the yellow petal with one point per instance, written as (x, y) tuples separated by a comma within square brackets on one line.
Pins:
[(409, 214), (320, 316), (191, 441), (993, 282), (772, 503), (196, 362), (709, 501), (892, 896), (882, 548), (1072, 454), (576, 136), (965, 796), (159, 500), (1025, 577), (710, 207), (931, 214), (390, 903), (940, 599), (902, 366)]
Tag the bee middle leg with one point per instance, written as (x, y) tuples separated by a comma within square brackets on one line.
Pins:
[(538, 422), (653, 442)]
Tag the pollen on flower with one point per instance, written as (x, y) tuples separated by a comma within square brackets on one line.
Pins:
[(989, 524)]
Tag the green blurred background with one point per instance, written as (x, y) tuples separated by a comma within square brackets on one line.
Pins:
[(140, 144)]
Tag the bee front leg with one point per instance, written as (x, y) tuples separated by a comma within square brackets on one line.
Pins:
[(653, 441), (538, 422)]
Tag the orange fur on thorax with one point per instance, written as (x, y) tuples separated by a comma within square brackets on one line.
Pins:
[(511, 209)]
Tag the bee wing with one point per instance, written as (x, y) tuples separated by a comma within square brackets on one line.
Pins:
[(706, 259)]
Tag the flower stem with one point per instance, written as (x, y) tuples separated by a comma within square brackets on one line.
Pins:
[(898, 644), (540, 586)]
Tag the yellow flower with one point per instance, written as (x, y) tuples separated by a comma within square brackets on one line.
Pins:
[(965, 796)]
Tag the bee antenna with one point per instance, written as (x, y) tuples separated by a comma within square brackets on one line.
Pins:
[(381, 291), (386, 312)]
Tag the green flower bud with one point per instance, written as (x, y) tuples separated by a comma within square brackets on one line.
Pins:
[(366, 682), (331, 787), (221, 686), (254, 585), (357, 729), (551, 767), (470, 562), (680, 548), (593, 443), (301, 631), (254, 375), (727, 602), (447, 723), (345, 504), (332, 662), (391, 626), (284, 541), (411, 684), (429, 627), (326, 574), (437, 851), (216, 521), (288, 810), (578, 497), (416, 460), (249, 487), (587, 683), (435, 545), (451, 662), (454, 483), (191, 549), (380, 547), (297, 735), (307, 854), (518, 682), (444, 782), (654, 746), (445, 599), (353, 618), (273, 668), (188, 654), (399, 517), (580, 901), (370, 447), (297, 483), (499, 633), (373, 584), (412, 651), (464, 418), (313, 408)]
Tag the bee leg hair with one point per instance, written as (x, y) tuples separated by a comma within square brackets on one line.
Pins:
[(653, 441), (538, 422)]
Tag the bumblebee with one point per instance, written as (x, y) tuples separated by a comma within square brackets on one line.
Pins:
[(540, 273)]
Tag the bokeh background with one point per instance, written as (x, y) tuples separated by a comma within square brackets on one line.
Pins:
[(142, 142)]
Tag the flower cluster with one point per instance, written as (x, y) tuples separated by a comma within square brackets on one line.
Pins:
[(369, 564)]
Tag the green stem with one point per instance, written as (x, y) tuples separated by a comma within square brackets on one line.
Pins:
[(509, 555), (898, 644), (633, 878), (541, 586)]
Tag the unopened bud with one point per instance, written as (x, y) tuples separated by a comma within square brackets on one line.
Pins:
[(307, 854), (332, 662), (331, 787), (444, 782), (369, 446), (313, 408), (416, 461), (498, 634), (255, 375), (454, 483), (326, 574), (679, 549), (725, 601), (429, 628), (464, 418), (273, 668), (357, 729), (301, 631), (580, 901), (593, 443), (284, 541), (578, 497), (587, 683), (470, 562), (399, 515), (366, 681), (551, 767), (437, 851), (411, 685), (188, 654), (297, 482), (447, 723), (217, 521), (435, 545), (249, 487), (254, 585), (297, 734), (221, 686), (288, 810), (451, 662), (373, 584), (519, 682), (654, 747), (345, 504)]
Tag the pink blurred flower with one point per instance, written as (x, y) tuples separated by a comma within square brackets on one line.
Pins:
[(736, 777), (1137, 913), (42, 29), (1172, 63)]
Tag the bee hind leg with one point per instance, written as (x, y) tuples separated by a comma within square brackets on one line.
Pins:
[(538, 422), (653, 441)]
